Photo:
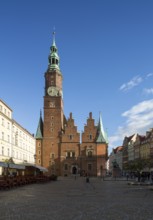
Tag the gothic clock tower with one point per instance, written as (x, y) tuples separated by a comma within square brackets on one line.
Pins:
[(58, 145), (53, 112)]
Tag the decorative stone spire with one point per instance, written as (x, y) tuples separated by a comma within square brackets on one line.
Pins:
[(39, 133), (53, 57), (102, 136)]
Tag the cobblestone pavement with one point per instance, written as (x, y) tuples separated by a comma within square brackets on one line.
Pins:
[(70, 199)]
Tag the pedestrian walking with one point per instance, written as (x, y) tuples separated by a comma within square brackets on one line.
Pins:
[(87, 179)]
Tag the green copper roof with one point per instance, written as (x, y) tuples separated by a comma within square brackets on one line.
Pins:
[(39, 133), (53, 57), (102, 136)]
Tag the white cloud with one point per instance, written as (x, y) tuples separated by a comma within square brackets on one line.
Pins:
[(149, 75), (148, 91), (132, 83), (139, 119)]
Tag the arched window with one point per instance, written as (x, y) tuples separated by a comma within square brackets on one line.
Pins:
[(89, 153), (53, 60)]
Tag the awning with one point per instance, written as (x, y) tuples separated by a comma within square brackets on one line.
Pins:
[(35, 166), (3, 164), (12, 165), (41, 168), (16, 166)]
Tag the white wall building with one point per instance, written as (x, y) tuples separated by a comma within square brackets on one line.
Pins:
[(15, 141), (131, 147)]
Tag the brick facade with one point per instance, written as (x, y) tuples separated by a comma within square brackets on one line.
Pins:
[(58, 145)]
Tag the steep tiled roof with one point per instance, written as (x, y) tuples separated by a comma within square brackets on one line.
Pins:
[(117, 149)]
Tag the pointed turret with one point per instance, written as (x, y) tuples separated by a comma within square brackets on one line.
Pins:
[(102, 136), (39, 133), (53, 57)]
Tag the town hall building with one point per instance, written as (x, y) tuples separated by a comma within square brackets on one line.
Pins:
[(58, 146)]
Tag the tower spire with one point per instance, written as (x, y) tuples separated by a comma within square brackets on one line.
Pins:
[(102, 136), (53, 58), (54, 44), (39, 132)]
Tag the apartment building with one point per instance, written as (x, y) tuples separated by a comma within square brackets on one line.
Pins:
[(15, 141)]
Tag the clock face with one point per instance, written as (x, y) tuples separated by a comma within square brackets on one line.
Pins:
[(52, 91)]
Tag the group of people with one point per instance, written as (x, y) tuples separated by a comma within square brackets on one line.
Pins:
[(142, 177)]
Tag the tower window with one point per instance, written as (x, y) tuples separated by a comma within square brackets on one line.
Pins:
[(56, 61), (53, 60), (53, 49), (90, 137), (70, 136)]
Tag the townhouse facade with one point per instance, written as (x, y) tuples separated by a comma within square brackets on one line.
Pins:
[(15, 141), (135, 152), (138, 148)]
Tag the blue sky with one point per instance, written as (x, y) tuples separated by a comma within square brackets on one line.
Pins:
[(106, 58)]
